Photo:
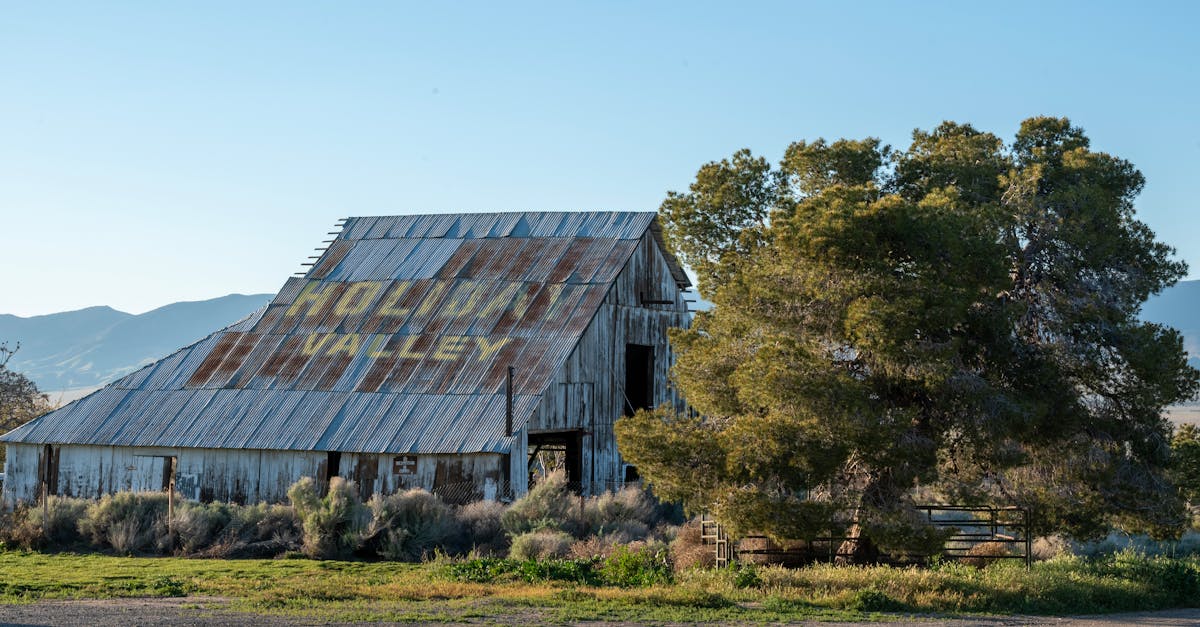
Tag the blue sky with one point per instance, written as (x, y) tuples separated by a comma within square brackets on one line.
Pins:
[(155, 152)]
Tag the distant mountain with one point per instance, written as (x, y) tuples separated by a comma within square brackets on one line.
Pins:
[(90, 347), (1179, 307)]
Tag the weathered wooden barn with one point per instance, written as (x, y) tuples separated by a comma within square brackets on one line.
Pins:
[(439, 351)]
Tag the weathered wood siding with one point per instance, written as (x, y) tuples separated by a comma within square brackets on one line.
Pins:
[(588, 392), (242, 476)]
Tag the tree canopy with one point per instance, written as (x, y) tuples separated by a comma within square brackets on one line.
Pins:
[(956, 321)]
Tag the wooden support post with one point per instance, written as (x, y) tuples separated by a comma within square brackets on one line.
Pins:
[(45, 507), (44, 469)]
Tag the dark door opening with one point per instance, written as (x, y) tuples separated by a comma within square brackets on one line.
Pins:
[(330, 469), (639, 378), (557, 450), (170, 466), (48, 470), (333, 464)]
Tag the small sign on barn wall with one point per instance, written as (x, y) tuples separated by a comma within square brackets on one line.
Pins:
[(404, 465)]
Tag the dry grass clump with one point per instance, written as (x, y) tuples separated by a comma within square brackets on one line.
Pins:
[(541, 544), (986, 553)]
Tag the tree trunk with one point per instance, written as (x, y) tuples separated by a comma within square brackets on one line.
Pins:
[(858, 548)]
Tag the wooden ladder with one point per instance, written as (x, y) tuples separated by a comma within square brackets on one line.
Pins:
[(711, 532)]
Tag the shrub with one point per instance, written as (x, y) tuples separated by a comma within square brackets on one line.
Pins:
[(16, 532), (689, 550), (593, 547), (259, 530), (541, 544), (481, 569), (547, 505), (629, 512), (872, 600), (490, 569), (24, 526), (62, 525), (407, 525), (571, 571), (332, 524), (1049, 547), (129, 522), (644, 566), (196, 526), (480, 529)]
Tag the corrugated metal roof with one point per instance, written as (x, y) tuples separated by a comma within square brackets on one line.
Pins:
[(397, 340)]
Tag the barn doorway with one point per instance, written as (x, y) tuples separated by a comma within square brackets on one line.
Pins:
[(48, 470), (557, 450), (330, 469), (639, 378)]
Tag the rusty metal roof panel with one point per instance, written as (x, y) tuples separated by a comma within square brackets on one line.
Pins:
[(184, 365), (551, 258), (397, 340)]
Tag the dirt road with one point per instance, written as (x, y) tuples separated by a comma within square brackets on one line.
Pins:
[(207, 611)]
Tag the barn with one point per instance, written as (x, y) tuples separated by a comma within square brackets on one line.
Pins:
[(450, 352)]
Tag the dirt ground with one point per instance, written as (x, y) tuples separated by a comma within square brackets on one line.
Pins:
[(207, 611)]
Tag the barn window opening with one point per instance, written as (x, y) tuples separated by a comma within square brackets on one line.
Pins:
[(152, 473), (639, 378), (557, 450)]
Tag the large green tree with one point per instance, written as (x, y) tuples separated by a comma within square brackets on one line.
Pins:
[(957, 320)]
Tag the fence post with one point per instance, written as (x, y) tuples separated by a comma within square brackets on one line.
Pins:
[(1028, 539)]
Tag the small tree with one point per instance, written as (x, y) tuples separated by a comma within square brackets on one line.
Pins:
[(20, 400), (961, 316)]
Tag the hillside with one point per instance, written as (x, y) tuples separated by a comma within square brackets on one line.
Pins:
[(1179, 307), (90, 347)]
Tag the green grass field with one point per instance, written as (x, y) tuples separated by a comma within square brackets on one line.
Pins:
[(383, 591)]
